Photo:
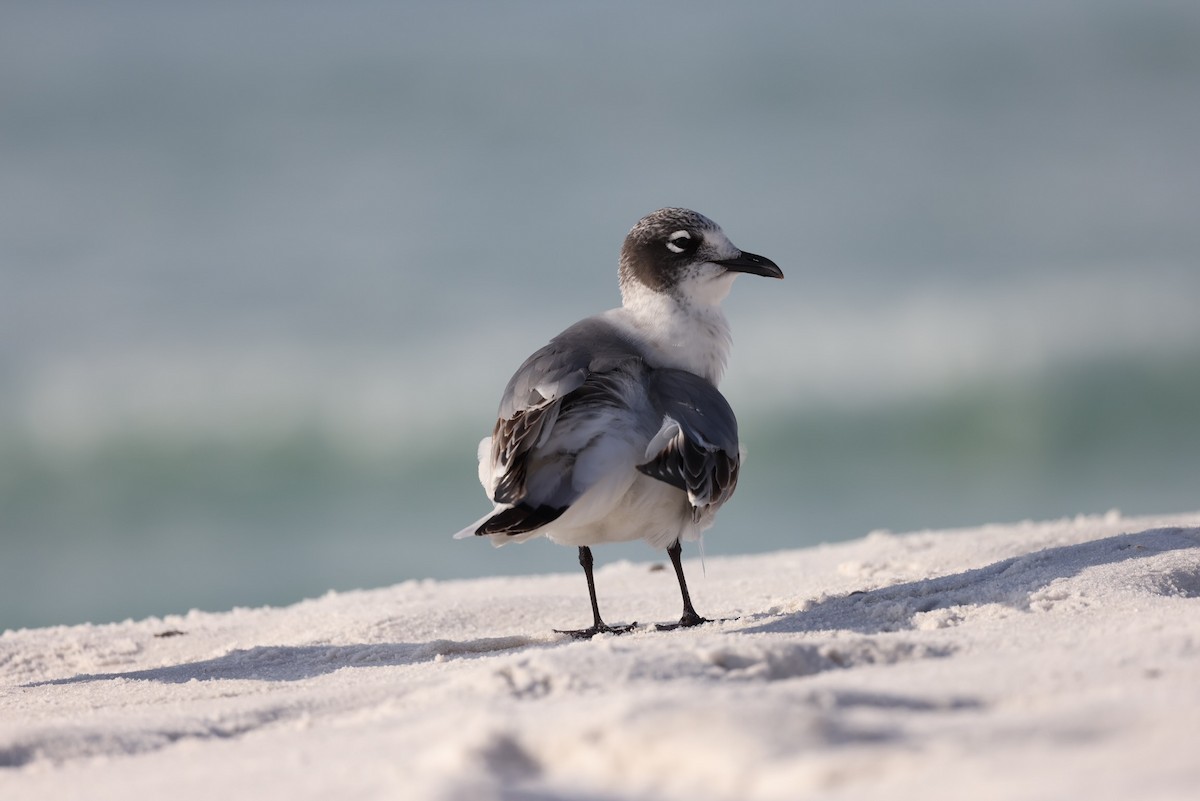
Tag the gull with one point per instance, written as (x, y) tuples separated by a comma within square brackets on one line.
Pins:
[(615, 431)]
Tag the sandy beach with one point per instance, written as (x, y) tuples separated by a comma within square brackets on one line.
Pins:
[(1034, 660)]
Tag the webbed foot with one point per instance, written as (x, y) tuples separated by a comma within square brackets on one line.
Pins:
[(688, 620), (599, 628)]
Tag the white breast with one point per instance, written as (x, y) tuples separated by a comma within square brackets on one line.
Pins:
[(693, 337)]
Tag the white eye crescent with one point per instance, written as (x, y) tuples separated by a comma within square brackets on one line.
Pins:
[(679, 241)]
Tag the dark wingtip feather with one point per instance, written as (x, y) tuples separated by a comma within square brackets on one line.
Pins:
[(519, 520)]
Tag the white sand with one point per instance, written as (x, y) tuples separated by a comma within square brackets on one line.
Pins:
[(1057, 660)]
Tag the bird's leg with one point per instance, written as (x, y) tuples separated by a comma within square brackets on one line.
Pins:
[(690, 618), (598, 625)]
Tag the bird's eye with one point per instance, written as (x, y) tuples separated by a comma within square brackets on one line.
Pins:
[(681, 242)]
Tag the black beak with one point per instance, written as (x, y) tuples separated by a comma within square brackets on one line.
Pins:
[(753, 264)]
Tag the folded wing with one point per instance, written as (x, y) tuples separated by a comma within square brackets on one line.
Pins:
[(551, 410), (696, 448)]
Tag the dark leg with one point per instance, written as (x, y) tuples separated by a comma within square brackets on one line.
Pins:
[(690, 618), (598, 625)]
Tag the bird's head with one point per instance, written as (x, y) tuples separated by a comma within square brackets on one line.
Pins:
[(684, 254)]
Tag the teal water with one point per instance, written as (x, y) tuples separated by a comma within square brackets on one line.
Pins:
[(264, 272)]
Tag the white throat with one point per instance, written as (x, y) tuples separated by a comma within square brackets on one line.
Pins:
[(689, 334)]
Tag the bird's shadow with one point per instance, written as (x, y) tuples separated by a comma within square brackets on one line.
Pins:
[(299, 662), (1016, 582)]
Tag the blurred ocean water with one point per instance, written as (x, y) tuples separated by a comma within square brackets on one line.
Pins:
[(265, 270)]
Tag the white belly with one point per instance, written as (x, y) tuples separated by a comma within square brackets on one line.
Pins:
[(648, 509)]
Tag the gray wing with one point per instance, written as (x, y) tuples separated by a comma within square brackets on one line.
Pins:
[(696, 449), (579, 369), (590, 346)]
